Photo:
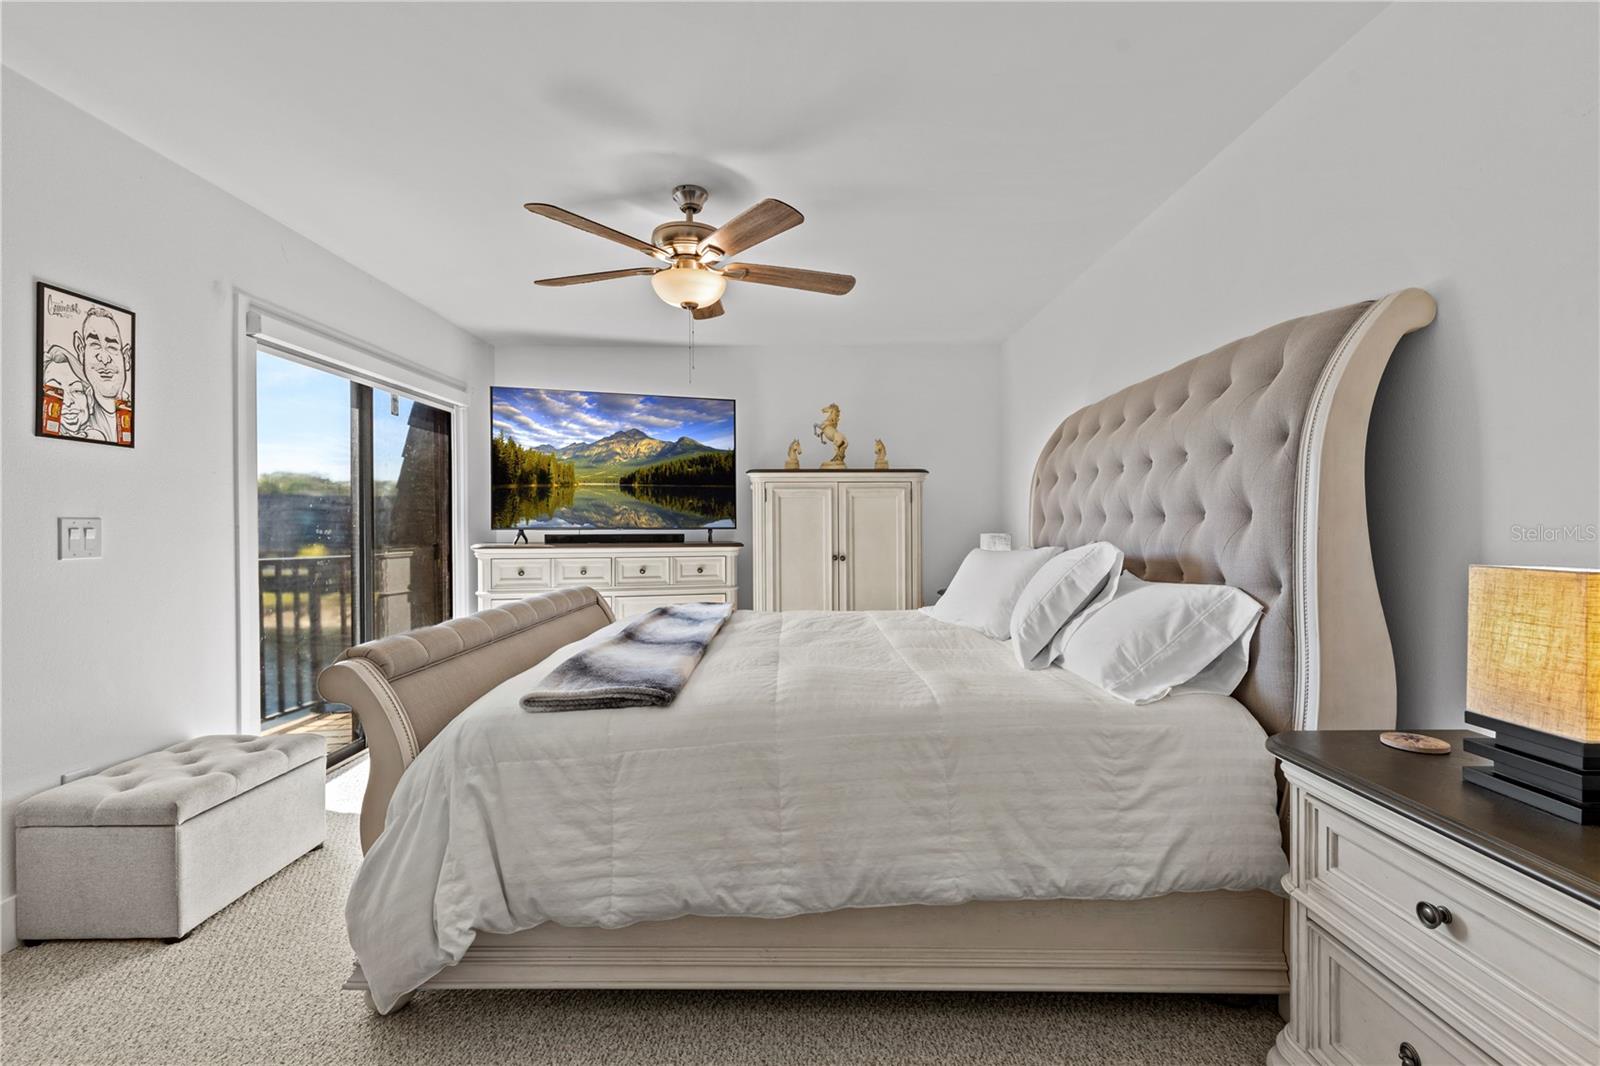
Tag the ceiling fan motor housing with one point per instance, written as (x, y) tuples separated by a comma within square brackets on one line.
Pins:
[(680, 238)]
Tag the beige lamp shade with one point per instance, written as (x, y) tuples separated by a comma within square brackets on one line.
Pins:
[(1533, 648)]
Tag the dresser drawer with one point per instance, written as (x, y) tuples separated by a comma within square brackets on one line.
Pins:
[(642, 570), (629, 606), (1364, 1019), (700, 570), (579, 570), (1491, 956), (511, 574)]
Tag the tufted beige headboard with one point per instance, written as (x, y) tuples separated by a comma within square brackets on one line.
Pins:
[(1247, 467)]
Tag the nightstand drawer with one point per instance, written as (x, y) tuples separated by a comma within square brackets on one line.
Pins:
[(700, 570), (641, 570), (1364, 1019), (519, 574), (1490, 955), (578, 570)]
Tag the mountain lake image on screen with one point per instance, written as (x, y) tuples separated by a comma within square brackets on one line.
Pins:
[(563, 459)]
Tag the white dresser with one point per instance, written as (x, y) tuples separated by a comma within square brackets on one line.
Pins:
[(631, 579), (837, 540), (1432, 922)]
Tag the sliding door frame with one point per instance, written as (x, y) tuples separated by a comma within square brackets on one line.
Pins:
[(259, 324)]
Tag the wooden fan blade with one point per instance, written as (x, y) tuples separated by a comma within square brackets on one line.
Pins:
[(790, 278), (604, 275), (765, 220), (589, 225), (714, 311)]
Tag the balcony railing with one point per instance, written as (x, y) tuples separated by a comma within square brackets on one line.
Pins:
[(307, 619)]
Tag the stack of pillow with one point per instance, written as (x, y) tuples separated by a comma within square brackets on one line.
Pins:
[(1078, 609)]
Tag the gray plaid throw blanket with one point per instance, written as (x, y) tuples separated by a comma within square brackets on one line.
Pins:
[(645, 665)]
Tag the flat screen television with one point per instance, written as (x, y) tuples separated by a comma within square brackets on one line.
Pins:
[(563, 460)]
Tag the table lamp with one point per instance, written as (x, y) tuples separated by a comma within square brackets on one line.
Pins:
[(1533, 676)]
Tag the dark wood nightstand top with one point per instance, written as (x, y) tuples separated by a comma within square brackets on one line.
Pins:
[(1428, 789)]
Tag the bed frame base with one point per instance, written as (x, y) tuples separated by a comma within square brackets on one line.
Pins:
[(1187, 942)]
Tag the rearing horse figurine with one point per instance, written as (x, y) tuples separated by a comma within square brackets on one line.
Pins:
[(827, 432)]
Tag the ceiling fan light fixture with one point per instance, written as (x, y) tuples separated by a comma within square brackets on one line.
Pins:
[(696, 254), (688, 284)]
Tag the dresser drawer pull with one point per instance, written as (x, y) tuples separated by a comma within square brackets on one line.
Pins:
[(583, 572), (1433, 916), (698, 570), (1409, 1056), (521, 572)]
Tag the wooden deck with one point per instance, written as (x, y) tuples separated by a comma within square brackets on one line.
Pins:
[(337, 729)]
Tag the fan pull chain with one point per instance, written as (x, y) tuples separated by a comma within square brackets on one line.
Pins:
[(691, 349)]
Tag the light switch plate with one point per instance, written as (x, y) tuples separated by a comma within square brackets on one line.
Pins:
[(78, 538)]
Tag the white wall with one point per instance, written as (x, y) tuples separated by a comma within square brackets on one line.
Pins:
[(934, 407), (1447, 146), (108, 658)]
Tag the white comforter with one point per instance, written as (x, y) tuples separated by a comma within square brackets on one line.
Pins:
[(814, 761)]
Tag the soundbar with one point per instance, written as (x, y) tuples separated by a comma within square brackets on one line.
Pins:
[(613, 539)]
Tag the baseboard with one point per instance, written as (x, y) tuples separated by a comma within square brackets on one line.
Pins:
[(8, 923)]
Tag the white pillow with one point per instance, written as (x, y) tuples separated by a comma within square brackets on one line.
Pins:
[(1076, 580), (985, 589), (1154, 636)]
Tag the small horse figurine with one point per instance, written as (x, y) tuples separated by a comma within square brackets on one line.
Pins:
[(793, 462), (880, 454), (827, 432)]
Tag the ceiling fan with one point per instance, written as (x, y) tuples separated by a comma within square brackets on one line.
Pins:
[(696, 254)]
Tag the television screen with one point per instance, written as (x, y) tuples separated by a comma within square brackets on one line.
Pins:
[(610, 460)]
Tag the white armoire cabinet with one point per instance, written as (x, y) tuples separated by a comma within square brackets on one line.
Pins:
[(837, 540)]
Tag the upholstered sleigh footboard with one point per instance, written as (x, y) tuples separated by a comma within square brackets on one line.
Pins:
[(408, 687)]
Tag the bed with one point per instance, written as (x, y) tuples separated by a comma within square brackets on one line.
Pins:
[(979, 826)]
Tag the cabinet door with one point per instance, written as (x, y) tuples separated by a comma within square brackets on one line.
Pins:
[(875, 546), (799, 560)]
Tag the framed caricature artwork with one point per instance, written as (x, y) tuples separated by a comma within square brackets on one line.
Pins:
[(85, 364)]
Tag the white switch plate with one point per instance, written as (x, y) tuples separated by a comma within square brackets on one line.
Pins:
[(79, 538)]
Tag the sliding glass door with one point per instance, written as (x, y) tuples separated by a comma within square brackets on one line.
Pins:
[(410, 515), (353, 503)]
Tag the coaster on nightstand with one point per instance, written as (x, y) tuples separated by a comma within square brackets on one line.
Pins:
[(1416, 742)]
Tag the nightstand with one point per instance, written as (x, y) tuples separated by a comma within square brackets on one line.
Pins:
[(1431, 922)]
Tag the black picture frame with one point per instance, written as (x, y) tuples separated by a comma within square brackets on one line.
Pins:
[(100, 429)]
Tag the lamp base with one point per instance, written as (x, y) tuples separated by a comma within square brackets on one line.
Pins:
[(1555, 774)]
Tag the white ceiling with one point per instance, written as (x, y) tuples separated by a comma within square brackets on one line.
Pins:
[(965, 161)]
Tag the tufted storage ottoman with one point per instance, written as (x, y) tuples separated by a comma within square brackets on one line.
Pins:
[(154, 846)]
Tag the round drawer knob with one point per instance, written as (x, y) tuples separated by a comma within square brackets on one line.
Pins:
[(699, 569), (1409, 1056), (1432, 915), (641, 569), (583, 570), (520, 571)]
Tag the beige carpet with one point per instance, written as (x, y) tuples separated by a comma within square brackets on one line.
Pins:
[(259, 983)]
